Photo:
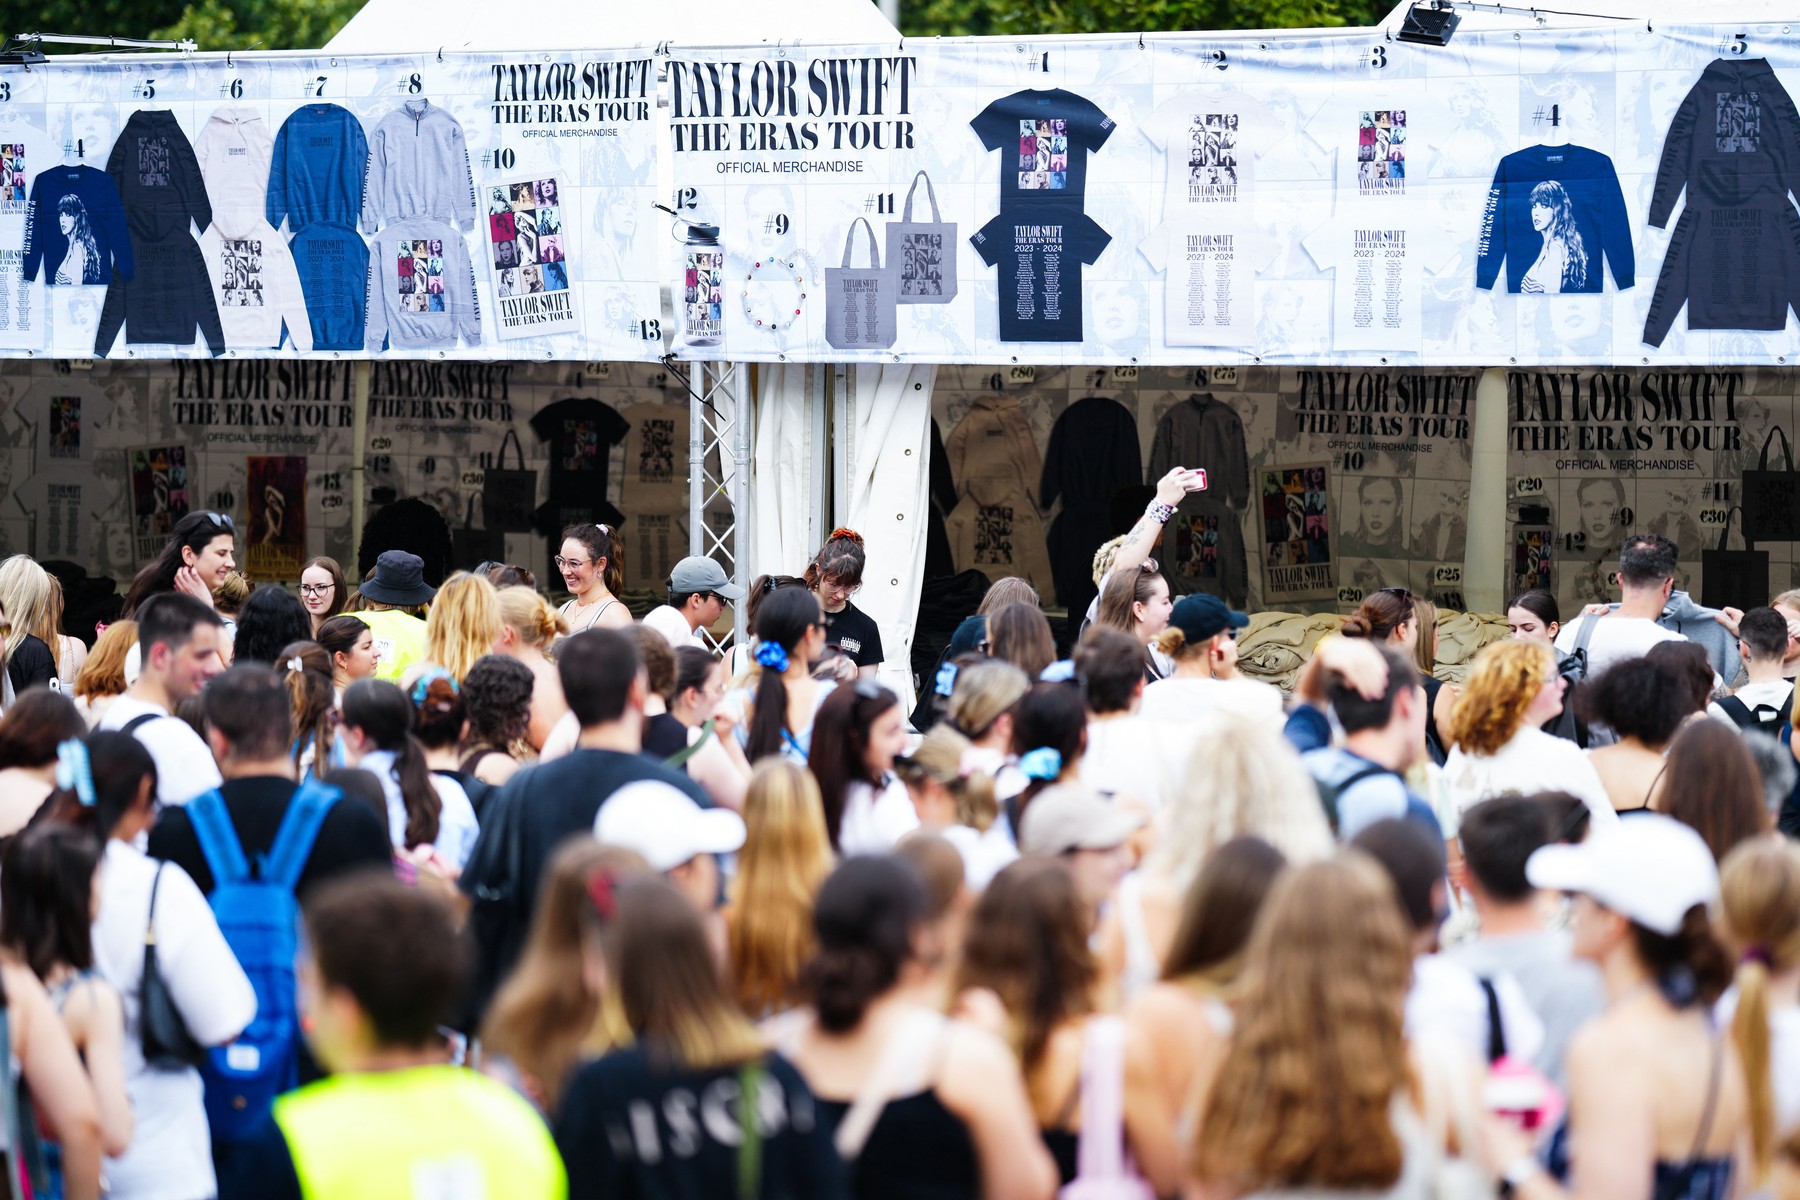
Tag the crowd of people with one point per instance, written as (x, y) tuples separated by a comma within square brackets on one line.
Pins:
[(393, 889)]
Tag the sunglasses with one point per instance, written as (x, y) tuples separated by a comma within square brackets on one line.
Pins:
[(219, 519), (1405, 596)]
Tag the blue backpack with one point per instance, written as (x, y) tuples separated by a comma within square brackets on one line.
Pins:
[(260, 918)]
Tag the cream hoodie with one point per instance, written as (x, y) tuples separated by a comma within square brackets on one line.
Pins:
[(254, 282), (235, 150)]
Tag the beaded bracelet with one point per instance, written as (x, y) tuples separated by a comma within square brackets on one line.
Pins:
[(1159, 512), (775, 320)]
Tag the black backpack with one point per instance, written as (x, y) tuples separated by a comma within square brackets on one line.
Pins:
[(1764, 718), (1329, 793)]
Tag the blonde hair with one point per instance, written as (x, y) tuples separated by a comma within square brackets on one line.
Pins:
[(1501, 686), (786, 856), (24, 598), (103, 674), (1174, 643), (1008, 589), (463, 623), (1121, 596), (1303, 1097), (939, 757), (530, 616), (1104, 556), (984, 692), (233, 590), (1242, 779), (1759, 890), (48, 628), (546, 1017), (1425, 615)]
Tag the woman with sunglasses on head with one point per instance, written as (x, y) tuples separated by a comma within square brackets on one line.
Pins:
[(322, 590), (1136, 603), (858, 733), (592, 564), (1390, 617), (200, 552), (835, 574)]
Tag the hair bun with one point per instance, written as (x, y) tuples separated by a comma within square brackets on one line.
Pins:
[(846, 534), (1356, 626)]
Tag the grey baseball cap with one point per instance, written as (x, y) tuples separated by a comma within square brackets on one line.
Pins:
[(702, 574)]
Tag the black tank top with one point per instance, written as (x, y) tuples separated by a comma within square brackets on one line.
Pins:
[(918, 1150)]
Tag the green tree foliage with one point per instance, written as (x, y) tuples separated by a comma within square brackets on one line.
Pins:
[(952, 18), (214, 24)]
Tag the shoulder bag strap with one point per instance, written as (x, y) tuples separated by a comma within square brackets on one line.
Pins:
[(679, 759), (930, 195), (1738, 711), (850, 241), (512, 436), (219, 843), (1586, 635), (1496, 1047), (904, 1050), (150, 920), (1785, 713), (1100, 1153), (749, 1156), (139, 721)]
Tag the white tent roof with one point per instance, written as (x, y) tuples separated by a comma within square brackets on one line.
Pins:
[(403, 26), (1514, 14)]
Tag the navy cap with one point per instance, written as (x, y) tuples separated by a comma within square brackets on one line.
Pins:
[(1201, 617)]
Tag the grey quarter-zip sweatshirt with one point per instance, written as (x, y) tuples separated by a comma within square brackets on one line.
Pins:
[(418, 167)]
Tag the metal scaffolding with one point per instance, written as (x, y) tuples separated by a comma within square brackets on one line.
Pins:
[(720, 428)]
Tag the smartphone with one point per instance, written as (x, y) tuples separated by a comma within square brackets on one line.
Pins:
[(1196, 480)]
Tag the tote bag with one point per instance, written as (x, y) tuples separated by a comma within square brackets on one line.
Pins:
[(1739, 578), (922, 254), (859, 301), (1772, 497), (508, 494)]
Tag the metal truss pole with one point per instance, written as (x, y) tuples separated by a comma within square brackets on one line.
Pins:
[(719, 466)]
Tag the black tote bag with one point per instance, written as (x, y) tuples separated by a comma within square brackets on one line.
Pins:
[(1733, 578), (508, 494), (1771, 509)]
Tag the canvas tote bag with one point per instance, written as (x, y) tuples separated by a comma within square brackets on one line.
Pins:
[(859, 301)]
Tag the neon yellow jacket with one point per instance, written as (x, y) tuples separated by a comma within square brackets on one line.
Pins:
[(399, 636)]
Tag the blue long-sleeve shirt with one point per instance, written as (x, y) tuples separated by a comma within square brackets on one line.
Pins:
[(89, 199), (1551, 212), (316, 173)]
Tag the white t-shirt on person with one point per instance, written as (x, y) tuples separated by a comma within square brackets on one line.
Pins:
[(874, 820), (170, 1157), (184, 766), (1615, 639)]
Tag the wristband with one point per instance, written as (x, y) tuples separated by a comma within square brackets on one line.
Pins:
[(1159, 512), (1517, 1173)]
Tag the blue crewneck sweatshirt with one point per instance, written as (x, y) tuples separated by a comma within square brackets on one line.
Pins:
[(1551, 212), (334, 276), (86, 200), (316, 174)]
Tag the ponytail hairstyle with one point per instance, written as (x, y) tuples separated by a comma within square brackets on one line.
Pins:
[(1759, 891), (983, 693), (943, 758), (864, 921), (603, 544), (840, 743), (1379, 615), (761, 588), (839, 561), (339, 635), (118, 764), (193, 532), (439, 704), (1690, 967), (1540, 604), (530, 616), (1050, 718), (782, 623), (306, 671), (383, 712)]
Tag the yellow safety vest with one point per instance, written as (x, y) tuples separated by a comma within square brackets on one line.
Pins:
[(423, 1131), (400, 637)]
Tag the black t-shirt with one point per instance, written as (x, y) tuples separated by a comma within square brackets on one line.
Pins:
[(1044, 139), (32, 663), (855, 633), (664, 736), (1039, 249), (581, 433), (352, 836), (529, 818), (631, 1127)]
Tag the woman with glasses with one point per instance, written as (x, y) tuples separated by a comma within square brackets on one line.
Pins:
[(200, 553), (592, 564), (835, 574), (322, 590)]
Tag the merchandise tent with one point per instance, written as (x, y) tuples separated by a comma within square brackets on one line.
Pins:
[(1418, 309)]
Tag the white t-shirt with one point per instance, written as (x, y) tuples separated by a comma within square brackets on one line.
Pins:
[(1184, 699), (1447, 999), (1615, 639), (1211, 275), (1211, 139), (673, 626), (170, 1157), (984, 855), (1774, 694), (1533, 761), (1378, 276), (1136, 757), (456, 821), (184, 766), (874, 821)]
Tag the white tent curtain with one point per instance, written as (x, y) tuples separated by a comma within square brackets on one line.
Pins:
[(887, 475), (786, 481)]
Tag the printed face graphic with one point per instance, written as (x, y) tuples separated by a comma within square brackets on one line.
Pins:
[(1599, 507), (1540, 217), (1380, 509)]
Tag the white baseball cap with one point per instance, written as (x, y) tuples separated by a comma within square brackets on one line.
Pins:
[(1649, 868), (663, 824), (1071, 817)]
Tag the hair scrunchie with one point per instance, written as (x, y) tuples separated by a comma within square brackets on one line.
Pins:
[(1042, 764), (770, 655), (74, 773)]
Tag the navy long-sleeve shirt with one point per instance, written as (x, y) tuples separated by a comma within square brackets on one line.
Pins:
[(88, 199), (1551, 212)]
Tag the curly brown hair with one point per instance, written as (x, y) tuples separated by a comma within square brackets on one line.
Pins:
[(1302, 1097), (1504, 681)]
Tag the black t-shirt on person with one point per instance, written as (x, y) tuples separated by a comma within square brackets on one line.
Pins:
[(352, 836), (31, 664), (855, 633), (664, 736), (633, 1126)]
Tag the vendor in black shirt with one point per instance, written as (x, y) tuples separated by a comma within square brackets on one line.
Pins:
[(664, 736), (836, 574)]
